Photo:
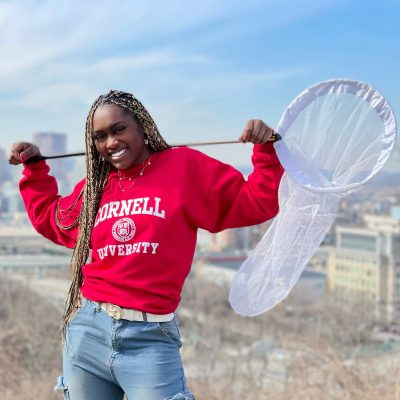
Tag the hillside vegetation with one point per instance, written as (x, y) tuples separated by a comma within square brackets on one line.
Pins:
[(30, 354), (315, 351)]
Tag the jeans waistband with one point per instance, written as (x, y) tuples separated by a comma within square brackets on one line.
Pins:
[(130, 314)]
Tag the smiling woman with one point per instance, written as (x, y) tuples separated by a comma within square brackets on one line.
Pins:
[(138, 211), (119, 137)]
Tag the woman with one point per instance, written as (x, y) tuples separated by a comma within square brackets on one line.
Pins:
[(138, 210)]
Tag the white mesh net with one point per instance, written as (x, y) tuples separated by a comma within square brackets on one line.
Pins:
[(336, 136)]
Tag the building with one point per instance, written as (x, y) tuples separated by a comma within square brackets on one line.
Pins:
[(11, 205), (365, 264), (23, 239), (245, 238), (20, 240), (241, 240), (5, 168), (51, 143)]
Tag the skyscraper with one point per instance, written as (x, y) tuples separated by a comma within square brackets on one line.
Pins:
[(51, 143)]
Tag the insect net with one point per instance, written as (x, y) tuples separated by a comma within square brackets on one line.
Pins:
[(336, 135)]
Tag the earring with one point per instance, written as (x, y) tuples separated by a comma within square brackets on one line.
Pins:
[(146, 142)]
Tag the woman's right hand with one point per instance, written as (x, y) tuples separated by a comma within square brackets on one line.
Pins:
[(21, 152)]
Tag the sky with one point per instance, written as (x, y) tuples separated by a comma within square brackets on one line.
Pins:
[(202, 68)]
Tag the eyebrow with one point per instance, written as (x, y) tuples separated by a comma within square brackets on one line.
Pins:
[(112, 126)]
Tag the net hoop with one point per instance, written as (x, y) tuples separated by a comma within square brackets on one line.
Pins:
[(336, 86)]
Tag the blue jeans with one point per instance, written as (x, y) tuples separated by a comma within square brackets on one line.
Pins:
[(106, 358)]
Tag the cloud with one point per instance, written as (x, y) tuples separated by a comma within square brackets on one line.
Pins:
[(159, 58), (35, 32), (53, 97), (61, 55)]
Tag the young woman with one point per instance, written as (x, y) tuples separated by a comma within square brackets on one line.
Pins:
[(132, 223)]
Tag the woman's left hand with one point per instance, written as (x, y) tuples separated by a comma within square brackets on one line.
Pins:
[(256, 131)]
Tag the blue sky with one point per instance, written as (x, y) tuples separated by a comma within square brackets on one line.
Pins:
[(202, 68)]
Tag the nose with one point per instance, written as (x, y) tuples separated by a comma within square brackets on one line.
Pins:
[(112, 142)]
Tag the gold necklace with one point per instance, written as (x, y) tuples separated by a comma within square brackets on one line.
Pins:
[(67, 212), (130, 178)]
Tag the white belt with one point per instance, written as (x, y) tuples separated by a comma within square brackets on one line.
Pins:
[(130, 314)]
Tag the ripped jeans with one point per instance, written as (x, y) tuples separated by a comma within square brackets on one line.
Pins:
[(106, 358)]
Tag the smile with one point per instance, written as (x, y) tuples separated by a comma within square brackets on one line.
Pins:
[(118, 153)]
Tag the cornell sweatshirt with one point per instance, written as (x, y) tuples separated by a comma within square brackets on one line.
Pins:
[(144, 236)]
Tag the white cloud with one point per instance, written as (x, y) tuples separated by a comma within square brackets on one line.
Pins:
[(35, 33), (158, 58), (38, 33), (58, 54), (53, 97)]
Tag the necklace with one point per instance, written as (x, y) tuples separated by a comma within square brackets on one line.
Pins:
[(131, 179), (67, 212)]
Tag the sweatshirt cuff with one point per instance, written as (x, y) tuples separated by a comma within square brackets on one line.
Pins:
[(266, 152), (35, 166), (267, 147)]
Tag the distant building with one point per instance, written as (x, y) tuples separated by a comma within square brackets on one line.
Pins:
[(236, 239), (365, 263), (319, 260), (11, 205), (5, 168), (51, 143), (23, 239), (241, 239)]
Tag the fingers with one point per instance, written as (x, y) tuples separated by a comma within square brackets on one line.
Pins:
[(247, 131), (21, 152), (256, 131), (15, 157)]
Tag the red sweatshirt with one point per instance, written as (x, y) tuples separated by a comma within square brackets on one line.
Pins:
[(144, 238)]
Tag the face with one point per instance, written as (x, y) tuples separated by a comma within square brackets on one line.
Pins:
[(119, 138)]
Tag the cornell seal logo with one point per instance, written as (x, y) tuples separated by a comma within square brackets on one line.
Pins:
[(123, 230)]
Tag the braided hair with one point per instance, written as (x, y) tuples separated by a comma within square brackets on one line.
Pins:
[(97, 170)]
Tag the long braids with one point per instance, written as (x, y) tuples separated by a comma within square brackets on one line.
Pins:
[(97, 170)]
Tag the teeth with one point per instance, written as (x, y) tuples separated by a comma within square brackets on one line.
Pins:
[(118, 153)]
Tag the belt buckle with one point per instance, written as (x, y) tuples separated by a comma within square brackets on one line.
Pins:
[(114, 311)]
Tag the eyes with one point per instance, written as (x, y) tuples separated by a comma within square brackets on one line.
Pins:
[(102, 136)]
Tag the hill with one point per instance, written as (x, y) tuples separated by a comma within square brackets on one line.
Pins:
[(30, 352)]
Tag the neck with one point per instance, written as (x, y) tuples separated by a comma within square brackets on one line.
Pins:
[(146, 153), (135, 170)]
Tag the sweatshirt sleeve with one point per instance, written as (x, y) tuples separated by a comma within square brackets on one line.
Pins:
[(232, 201), (39, 191)]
